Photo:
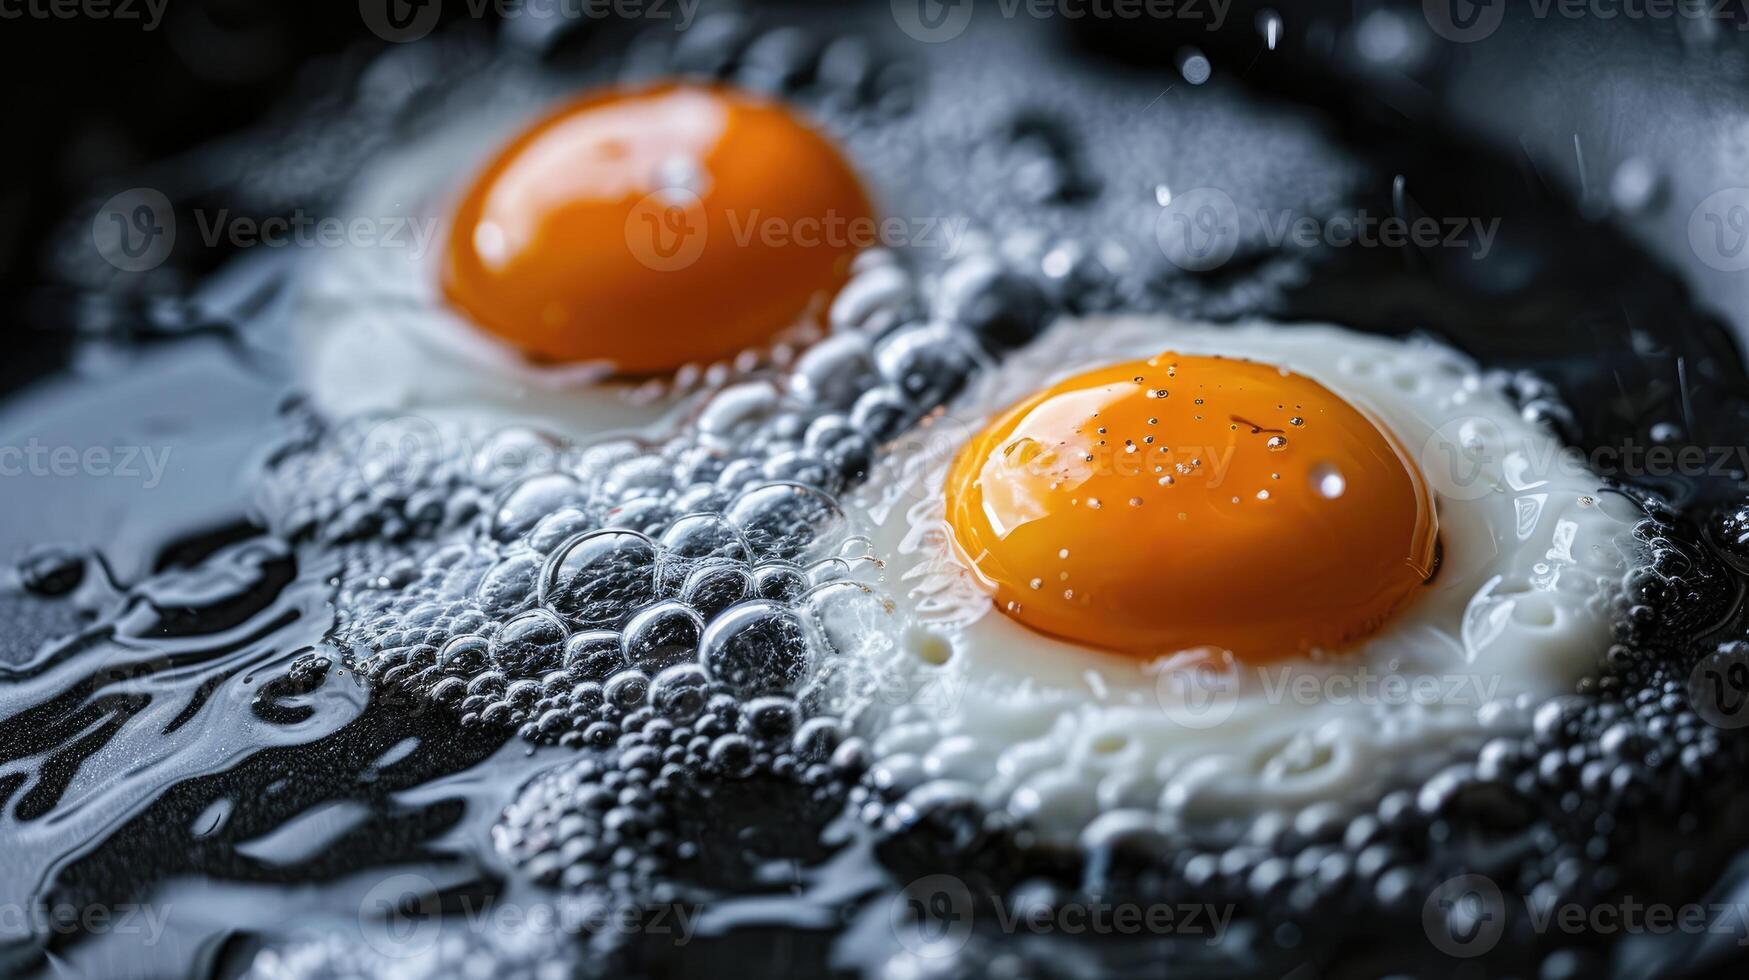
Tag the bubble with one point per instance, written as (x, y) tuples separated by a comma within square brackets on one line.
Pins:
[(680, 691), (757, 647), (600, 577), (786, 520), (511, 584), (511, 453), (781, 581), (697, 537), (660, 635), (521, 504), (626, 689), (530, 644), (715, 585), (593, 654)]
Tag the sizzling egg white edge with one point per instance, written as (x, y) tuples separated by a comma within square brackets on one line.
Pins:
[(1059, 735), (374, 335)]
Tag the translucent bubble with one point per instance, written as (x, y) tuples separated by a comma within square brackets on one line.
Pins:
[(680, 692), (645, 515), (715, 585), (786, 520), (781, 581), (757, 647), (600, 577), (521, 504), (593, 654), (696, 538), (556, 528), (529, 645), (627, 689), (464, 655), (855, 622), (513, 452), (663, 634), (510, 585), (643, 476)]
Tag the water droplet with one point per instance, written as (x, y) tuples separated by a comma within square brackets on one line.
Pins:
[(1269, 25)]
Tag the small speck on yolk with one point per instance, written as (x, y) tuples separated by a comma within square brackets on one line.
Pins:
[(1183, 502), (654, 228)]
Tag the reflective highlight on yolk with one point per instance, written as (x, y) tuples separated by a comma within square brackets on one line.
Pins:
[(655, 228), (1183, 502)]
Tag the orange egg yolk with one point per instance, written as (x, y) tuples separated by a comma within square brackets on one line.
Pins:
[(654, 228), (1182, 503)]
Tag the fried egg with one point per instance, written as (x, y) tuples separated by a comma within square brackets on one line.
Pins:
[(1196, 575), (584, 268)]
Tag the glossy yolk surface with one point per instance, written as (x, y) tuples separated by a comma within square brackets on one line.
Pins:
[(1183, 502), (654, 228)]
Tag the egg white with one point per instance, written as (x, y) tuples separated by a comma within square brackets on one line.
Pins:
[(1067, 739), (372, 333)]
